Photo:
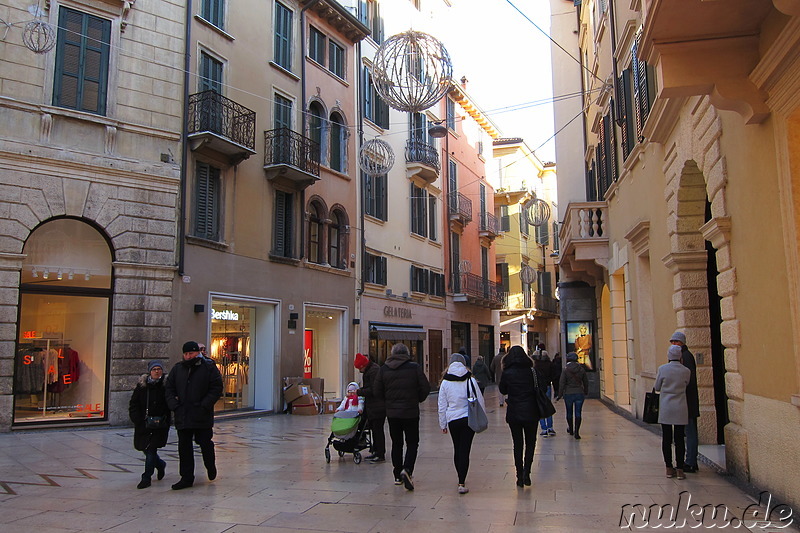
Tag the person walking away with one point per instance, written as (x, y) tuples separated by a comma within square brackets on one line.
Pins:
[(573, 387), (556, 368), (497, 370), (402, 385), (673, 411), (192, 388), (542, 363), (480, 371), (374, 407), (457, 386), (149, 400), (692, 400), (522, 412), (467, 358)]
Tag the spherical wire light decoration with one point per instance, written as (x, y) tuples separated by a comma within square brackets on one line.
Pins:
[(39, 36), (537, 212), (412, 71), (376, 157)]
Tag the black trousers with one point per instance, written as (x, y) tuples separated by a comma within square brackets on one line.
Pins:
[(378, 436), (462, 436), (186, 450), (400, 429), (673, 435), (523, 450)]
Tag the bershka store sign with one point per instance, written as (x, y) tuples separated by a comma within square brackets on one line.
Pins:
[(227, 314)]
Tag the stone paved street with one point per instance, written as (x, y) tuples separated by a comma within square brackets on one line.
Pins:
[(274, 478)]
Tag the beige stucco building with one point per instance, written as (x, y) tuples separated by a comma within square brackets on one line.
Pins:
[(684, 215)]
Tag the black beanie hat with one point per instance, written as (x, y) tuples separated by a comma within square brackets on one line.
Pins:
[(191, 346)]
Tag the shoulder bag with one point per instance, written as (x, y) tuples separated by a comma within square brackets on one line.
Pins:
[(476, 416), (153, 422), (546, 407), (650, 413)]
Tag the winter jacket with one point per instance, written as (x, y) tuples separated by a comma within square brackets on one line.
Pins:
[(481, 373), (374, 407), (402, 385), (545, 368), (453, 393), (193, 387), (692, 395), (556, 369), (573, 380), (497, 366), (517, 382), (671, 381), (154, 393)]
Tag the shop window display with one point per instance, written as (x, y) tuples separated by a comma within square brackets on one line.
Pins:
[(230, 349)]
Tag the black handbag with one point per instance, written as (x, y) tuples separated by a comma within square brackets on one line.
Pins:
[(650, 413), (153, 422), (546, 407)]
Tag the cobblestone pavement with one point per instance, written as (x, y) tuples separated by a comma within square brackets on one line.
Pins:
[(273, 477)]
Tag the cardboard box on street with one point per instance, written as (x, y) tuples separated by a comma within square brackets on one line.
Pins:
[(300, 409), (295, 391), (317, 384), (330, 406)]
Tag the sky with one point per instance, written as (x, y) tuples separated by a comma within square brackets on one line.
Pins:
[(507, 64)]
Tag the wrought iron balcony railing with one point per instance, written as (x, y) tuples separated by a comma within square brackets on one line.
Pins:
[(283, 146), (479, 290), (421, 152), (546, 304), (460, 207), (211, 112), (489, 225)]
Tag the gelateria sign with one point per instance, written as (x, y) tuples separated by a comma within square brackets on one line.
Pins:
[(224, 315), (399, 312)]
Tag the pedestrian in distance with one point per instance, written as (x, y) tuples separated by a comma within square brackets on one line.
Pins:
[(673, 411), (457, 386), (192, 389), (497, 370), (542, 363), (692, 401), (573, 387), (374, 407), (556, 367), (481, 373), (467, 358), (402, 385), (149, 401), (522, 412)]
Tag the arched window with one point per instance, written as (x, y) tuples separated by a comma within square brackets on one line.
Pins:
[(314, 234), (338, 144), (316, 127), (337, 240)]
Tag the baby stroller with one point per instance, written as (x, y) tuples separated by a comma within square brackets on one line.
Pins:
[(348, 435)]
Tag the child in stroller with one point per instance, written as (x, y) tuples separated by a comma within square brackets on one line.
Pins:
[(348, 433)]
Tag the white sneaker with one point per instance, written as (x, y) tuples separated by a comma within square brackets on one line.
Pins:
[(551, 432), (462, 489), (544, 433)]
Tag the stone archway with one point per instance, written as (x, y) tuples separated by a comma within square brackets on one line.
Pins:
[(696, 170)]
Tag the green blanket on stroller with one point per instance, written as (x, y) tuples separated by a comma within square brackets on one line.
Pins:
[(344, 423)]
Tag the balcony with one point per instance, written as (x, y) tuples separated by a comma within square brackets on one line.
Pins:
[(220, 124), (460, 208), (422, 160), (476, 290), (290, 158), (545, 305), (584, 241), (490, 227)]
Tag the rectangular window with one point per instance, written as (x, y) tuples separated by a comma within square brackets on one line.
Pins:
[(375, 109), (432, 233), (336, 59), (316, 46), (82, 54), (419, 279), (505, 220), (283, 36), (502, 270), (284, 224), (375, 269), (644, 89), (436, 285), (214, 11), (210, 73), (546, 283), (556, 242), (375, 196), (419, 211), (283, 112), (543, 234), (207, 202), (451, 114), (523, 222), (625, 115)]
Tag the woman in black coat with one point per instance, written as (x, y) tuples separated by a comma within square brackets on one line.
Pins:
[(522, 413), (148, 399)]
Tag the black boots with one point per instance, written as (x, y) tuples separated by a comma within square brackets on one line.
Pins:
[(520, 477), (577, 433), (569, 426), (144, 483)]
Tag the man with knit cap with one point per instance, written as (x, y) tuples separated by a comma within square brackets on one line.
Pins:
[(193, 387), (692, 399), (374, 407)]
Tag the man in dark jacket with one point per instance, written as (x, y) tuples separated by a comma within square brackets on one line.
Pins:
[(402, 385), (374, 408), (692, 401), (193, 387)]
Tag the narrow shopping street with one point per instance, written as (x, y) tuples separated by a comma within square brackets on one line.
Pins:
[(273, 477)]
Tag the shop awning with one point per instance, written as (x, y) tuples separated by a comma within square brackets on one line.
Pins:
[(397, 334)]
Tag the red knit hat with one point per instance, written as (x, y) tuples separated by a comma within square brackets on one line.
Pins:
[(361, 361)]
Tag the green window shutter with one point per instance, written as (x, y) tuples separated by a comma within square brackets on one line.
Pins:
[(207, 193), (283, 36), (504, 281), (283, 224)]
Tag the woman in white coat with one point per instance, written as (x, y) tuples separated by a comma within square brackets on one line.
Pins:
[(456, 386), (673, 411)]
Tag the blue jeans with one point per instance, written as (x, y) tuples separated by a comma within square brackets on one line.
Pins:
[(574, 401), (151, 461), (547, 423), (691, 442)]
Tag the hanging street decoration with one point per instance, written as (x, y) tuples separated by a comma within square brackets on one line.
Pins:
[(412, 71), (527, 274), (39, 36), (536, 211), (376, 157)]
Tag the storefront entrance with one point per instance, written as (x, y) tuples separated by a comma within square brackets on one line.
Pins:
[(323, 349)]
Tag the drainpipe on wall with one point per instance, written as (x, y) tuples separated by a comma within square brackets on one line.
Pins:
[(184, 141)]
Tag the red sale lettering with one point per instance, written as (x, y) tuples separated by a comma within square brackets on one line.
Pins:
[(28, 359), (67, 379)]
